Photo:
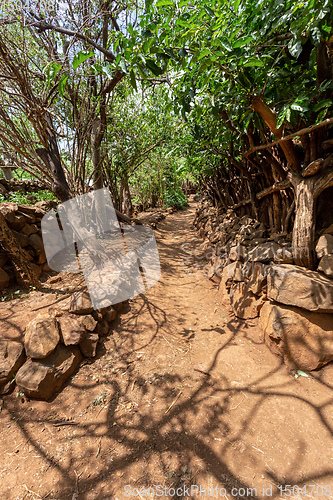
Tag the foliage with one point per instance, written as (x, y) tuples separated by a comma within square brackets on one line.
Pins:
[(21, 199), (175, 198)]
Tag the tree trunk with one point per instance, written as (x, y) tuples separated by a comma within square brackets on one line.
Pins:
[(23, 272), (96, 139), (307, 191), (128, 207), (52, 159)]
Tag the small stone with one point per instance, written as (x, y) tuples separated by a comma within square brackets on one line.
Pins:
[(4, 279), (81, 303), (258, 279), (17, 222), (324, 245), (97, 315), (22, 239), (284, 256), (264, 252), (88, 322), (110, 315), (326, 265), (72, 331), (118, 307), (244, 303), (88, 346), (237, 252), (36, 242), (102, 328), (29, 229), (8, 210)]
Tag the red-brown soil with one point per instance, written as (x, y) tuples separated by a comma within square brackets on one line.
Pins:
[(182, 393)]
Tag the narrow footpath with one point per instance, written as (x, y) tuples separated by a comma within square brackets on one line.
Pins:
[(183, 401)]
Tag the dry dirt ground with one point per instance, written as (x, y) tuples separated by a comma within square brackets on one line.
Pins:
[(183, 398)]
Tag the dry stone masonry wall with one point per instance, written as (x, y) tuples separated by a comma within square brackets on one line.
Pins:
[(54, 345), (257, 277), (24, 221)]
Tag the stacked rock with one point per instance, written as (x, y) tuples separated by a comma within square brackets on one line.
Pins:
[(24, 222), (256, 275), (54, 345)]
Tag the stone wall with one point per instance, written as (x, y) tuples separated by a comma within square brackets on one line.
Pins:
[(25, 224), (21, 186), (257, 277), (55, 343)]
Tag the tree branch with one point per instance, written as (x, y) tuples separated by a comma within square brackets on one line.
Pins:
[(288, 137), (46, 26)]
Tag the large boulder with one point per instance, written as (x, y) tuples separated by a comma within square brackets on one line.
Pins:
[(43, 378), (297, 286), (41, 337), (81, 303), (303, 339), (12, 356)]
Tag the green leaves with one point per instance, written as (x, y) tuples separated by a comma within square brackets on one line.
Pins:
[(122, 65), (133, 80), (62, 84), (80, 57), (241, 42), (253, 62), (205, 52), (51, 71), (236, 5), (295, 47), (163, 3), (150, 63), (283, 115), (322, 104)]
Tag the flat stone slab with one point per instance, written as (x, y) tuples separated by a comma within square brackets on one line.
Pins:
[(297, 286)]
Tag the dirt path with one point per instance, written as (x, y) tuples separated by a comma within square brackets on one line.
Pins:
[(182, 395)]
